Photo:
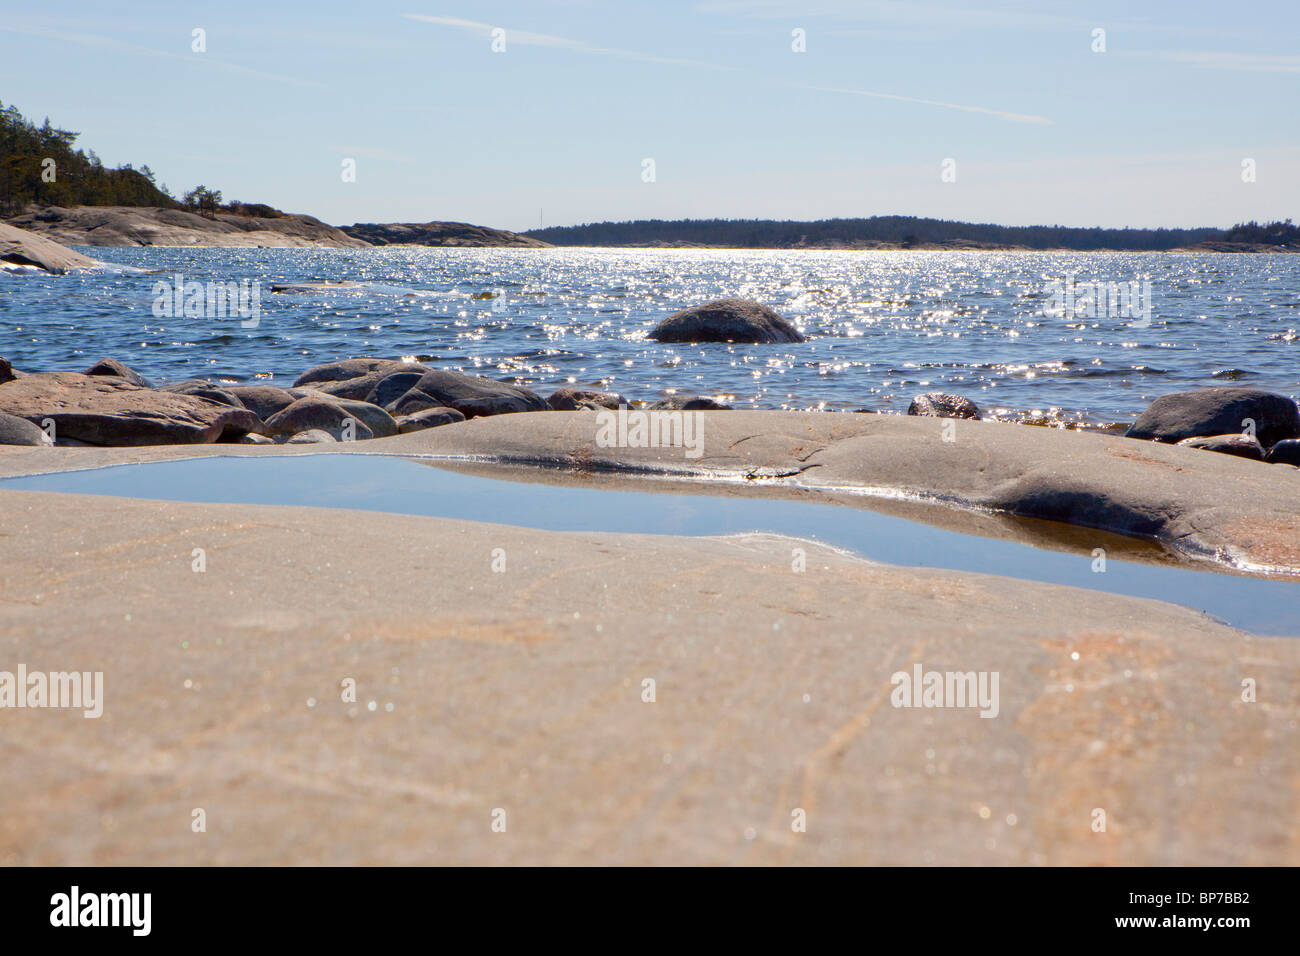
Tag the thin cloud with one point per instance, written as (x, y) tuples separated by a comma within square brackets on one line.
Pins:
[(526, 38), (1000, 114)]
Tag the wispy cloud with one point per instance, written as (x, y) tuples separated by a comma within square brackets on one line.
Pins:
[(1252, 62), (112, 45), (1000, 114), (527, 38)]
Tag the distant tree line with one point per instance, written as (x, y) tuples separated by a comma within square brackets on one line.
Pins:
[(905, 230), (1268, 233)]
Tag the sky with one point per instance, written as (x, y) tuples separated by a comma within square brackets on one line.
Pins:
[(1180, 114)]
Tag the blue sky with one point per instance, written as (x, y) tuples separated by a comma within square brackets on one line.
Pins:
[(1041, 128)]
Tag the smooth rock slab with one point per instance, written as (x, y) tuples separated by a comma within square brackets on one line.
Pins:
[(106, 410), (1219, 411), (473, 395), (1243, 446), (941, 405), (726, 320)]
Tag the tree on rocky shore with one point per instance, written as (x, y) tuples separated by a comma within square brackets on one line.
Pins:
[(204, 201), (39, 164)]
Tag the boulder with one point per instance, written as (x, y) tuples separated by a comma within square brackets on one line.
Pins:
[(402, 376), (940, 405), (307, 414), (688, 403), (111, 366), (1219, 410), (345, 369), (265, 400), (19, 431), (726, 320), (212, 393), (428, 418), (567, 399), (380, 423), (106, 410), (28, 249), (473, 395), (312, 436), (411, 402), (252, 438), (1243, 446), (6, 371), (1285, 452)]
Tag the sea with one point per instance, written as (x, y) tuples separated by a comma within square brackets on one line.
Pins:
[(1050, 337)]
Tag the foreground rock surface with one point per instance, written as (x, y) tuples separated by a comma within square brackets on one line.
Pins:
[(726, 320), (106, 410), (783, 702), (1220, 410)]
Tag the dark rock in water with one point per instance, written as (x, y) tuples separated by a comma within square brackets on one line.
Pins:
[(1285, 452), (110, 366), (473, 395), (106, 410), (726, 320), (688, 403), (307, 414), (6, 371), (428, 418), (1219, 410), (380, 423), (339, 371), (567, 399), (940, 405), (1241, 445), (265, 400), (312, 436), (19, 431)]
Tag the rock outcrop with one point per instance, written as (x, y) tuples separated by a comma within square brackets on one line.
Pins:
[(22, 247), (439, 234), (153, 226)]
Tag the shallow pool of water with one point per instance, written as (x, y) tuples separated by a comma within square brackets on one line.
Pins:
[(404, 486)]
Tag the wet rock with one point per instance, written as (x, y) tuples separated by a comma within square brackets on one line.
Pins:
[(1244, 446), (941, 405), (106, 410), (1219, 410), (19, 431), (312, 436), (111, 366), (265, 400), (688, 403), (6, 371), (1285, 452), (340, 371), (473, 395), (726, 320), (307, 414), (428, 418), (567, 399)]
